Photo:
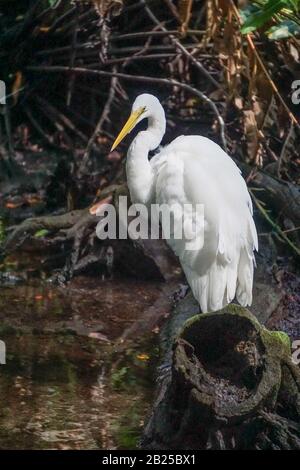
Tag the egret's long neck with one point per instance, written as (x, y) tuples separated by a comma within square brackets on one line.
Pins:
[(140, 175)]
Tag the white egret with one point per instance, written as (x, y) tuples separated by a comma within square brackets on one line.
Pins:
[(190, 170)]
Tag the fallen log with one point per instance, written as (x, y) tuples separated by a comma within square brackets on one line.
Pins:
[(232, 384)]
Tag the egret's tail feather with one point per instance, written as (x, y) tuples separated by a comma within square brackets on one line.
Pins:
[(209, 289), (245, 278), (220, 284)]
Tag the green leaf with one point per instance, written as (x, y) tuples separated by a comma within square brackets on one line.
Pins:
[(258, 19), (249, 10), (284, 30), (41, 233), (53, 3), (294, 4)]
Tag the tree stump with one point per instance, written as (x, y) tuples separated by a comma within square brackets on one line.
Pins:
[(232, 386)]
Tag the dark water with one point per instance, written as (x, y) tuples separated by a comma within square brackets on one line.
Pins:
[(68, 383)]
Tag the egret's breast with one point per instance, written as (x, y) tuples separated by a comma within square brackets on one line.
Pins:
[(170, 181)]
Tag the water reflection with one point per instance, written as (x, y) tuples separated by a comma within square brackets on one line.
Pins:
[(64, 386)]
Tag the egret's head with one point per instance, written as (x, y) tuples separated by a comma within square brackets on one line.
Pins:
[(144, 106)]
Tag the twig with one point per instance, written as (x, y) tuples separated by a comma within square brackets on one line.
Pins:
[(182, 48), (276, 227), (90, 49), (142, 50), (75, 114), (84, 16), (100, 123), (50, 223), (36, 125), (57, 50), (61, 19), (124, 60), (289, 230), (158, 47), (141, 78), (72, 61), (57, 114), (139, 34), (173, 10), (264, 69), (29, 19)]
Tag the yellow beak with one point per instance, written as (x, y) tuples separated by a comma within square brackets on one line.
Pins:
[(130, 124)]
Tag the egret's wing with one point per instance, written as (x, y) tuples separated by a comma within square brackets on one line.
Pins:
[(195, 170)]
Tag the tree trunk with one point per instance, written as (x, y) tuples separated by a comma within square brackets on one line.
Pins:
[(232, 385)]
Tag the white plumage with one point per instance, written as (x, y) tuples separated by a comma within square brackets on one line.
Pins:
[(195, 170)]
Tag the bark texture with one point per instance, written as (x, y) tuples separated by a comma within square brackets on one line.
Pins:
[(232, 385)]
